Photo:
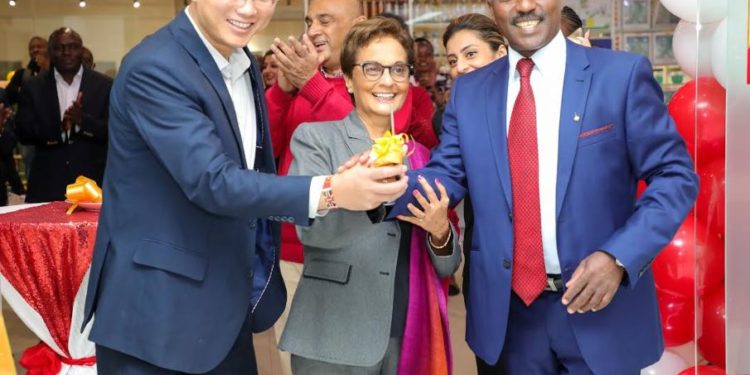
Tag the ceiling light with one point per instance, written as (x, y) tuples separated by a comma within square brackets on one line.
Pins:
[(136, 4), (12, 3), (82, 4)]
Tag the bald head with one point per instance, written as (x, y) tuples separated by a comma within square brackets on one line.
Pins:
[(65, 50), (327, 22), (55, 36), (354, 7)]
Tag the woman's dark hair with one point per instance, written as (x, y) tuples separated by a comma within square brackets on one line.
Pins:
[(363, 33), (485, 28), (397, 18), (400, 21), (569, 21)]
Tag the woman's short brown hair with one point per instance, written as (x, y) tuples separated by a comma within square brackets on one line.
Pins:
[(365, 32), (482, 25)]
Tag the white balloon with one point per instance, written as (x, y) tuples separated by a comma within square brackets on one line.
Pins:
[(687, 352), (692, 48), (697, 11), (669, 364), (719, 53)]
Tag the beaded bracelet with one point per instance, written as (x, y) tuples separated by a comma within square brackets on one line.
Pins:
[(327, 193), (443, 246)]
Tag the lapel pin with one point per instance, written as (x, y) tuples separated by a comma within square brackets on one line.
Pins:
[(576, 117)]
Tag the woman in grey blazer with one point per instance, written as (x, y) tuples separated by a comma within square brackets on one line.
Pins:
[(371, 300)]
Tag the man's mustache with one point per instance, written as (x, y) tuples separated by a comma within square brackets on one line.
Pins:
[(528, 17)]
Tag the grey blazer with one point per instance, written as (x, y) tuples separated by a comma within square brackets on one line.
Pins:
[(341, 312)]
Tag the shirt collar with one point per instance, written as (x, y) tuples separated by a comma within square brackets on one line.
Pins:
[(546, 59), (337, 74), (77, 77), (238, 62)]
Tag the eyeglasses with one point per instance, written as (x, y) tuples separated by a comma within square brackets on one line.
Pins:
[(372, 70)]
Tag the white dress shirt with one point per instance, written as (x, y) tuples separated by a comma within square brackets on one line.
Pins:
[(547, 83), (237, 79), (67, 94)]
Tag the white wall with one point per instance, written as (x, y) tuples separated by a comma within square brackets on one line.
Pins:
[(110, 28)]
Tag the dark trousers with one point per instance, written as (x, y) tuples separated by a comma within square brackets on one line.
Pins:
[(11, 174), (240, 360), (539, 341)]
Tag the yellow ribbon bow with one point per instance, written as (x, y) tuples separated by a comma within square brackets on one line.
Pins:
[(83, 190), (390, 149)]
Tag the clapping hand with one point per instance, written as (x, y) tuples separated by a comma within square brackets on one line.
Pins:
[(74, 114), (284, 83), (433, 217), (298, 61), (593, 284)]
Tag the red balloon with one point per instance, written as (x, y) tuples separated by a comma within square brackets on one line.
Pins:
[(677, 318), (701, 104), (712, 343), (685, 266), (710, 205), (703, 370)]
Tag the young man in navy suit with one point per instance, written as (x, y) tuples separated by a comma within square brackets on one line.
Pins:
[(185, 264), (551, 142)]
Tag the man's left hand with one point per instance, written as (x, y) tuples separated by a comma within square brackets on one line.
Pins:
[(298, 61), (593, 284)]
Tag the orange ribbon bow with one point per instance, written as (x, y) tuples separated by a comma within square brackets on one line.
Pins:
[(83, 190), (390, 149)]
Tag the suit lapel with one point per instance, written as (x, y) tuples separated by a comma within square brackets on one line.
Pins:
[(497, 95), (357, 137), (575, 93), (263, 150), (51, 97), (85, 87), (185, 34)]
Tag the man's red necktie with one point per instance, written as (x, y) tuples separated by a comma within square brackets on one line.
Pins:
[(529, 277)]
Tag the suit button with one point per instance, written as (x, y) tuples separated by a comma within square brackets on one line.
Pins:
[(252, 223), (506, 264), (510, 216), (250, 275)]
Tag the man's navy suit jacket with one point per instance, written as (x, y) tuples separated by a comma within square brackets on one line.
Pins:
[(185, 249), (614, 130)]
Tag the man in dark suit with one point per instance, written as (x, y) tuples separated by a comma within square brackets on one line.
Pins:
[(38, 63), (560, 277), (8, 172), (186, 259), (63, 113)]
